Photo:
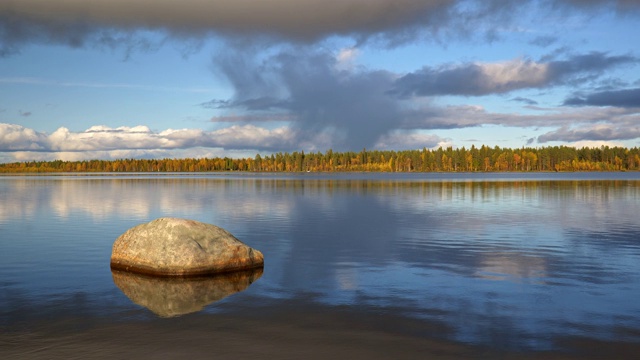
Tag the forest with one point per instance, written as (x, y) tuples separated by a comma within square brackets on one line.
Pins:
[(474, 159)]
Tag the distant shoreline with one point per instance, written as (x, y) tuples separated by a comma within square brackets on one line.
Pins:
[(223, 173), (474, 160)]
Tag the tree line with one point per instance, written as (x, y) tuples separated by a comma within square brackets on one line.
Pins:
[(474, 159)]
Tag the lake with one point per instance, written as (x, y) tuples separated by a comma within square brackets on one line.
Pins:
[(359, 265)]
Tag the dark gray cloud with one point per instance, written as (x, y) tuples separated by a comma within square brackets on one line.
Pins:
[(526, 101), (478, 79), (77, 23), (619, 5), (261, 103), (543, 41), (579, 68), (350, 106), (622, 98), (609, 84), (17, 30), (253, 118), (301, 19)]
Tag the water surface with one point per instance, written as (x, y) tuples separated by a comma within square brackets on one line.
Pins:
[(520, 263)]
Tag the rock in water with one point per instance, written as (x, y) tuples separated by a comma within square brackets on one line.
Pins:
[(180, 247)]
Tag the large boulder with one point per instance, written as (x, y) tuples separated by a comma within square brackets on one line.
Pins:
[(180, 247)]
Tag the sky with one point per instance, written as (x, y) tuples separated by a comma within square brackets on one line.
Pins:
[(110, 79)]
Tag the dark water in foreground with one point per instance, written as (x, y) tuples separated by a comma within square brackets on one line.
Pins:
[(509, 263)]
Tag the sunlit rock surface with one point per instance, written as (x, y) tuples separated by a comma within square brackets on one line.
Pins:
[(171, 296), (180, 247)]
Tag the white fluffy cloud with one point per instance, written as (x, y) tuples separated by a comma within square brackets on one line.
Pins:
[(17, 138), (399, 140)]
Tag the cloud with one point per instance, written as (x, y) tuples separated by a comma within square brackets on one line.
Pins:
[(123, 23), (543, 41), (526, 101), (478, 79), (589, 124), (595, 144), (351, 108), (403, 140), (97, 85), (346, 58), (251, 137), (622, 98), (585, 66), (472, 79), (304, 19), (604, 124), (14, 138), (465, 116), (77, 22), (316, 93), (196, 152), (596, 132), (252, 118), (620, 5)]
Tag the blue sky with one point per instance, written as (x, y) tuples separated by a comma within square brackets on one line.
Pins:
[(139, 78)]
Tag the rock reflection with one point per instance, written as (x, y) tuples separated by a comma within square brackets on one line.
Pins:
[(512, 267), (170, 297)]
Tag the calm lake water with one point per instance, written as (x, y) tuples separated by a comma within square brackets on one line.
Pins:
[(518, 263)]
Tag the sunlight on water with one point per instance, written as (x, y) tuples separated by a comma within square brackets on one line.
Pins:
[(506, 263)]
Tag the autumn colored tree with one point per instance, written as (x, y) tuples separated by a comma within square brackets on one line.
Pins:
[(557, 158)]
